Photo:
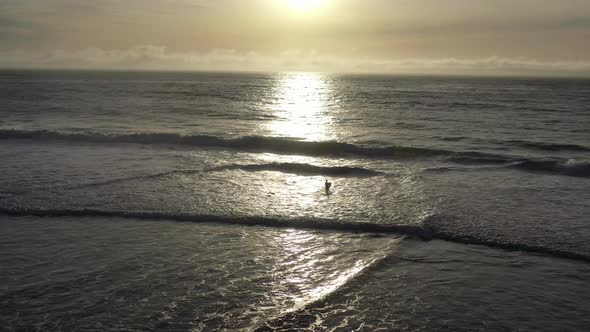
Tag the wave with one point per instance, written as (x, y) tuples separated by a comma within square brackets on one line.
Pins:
[(258, 144), (324, 148), (452, 138), (305, 223), (302, 169), (556, 167), (549, 146), (469, 158), (426, 231), (539, 109), (568, 167), (292, 168), (131, 178), (246, 143), (444, 169)]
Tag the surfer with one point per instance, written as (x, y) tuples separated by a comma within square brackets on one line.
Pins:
[(327, 185)]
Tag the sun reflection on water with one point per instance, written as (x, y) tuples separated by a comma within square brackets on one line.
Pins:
[(311, 265), (300, 103), (308, 266)]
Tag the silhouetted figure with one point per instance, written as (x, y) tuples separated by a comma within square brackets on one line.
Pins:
[(328, 185)]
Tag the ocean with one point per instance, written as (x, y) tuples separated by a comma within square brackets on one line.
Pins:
[(163, 201)]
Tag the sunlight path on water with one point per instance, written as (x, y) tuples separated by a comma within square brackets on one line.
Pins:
[(301, 104)]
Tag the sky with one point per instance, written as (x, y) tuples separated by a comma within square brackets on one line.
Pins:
[(490, 37)]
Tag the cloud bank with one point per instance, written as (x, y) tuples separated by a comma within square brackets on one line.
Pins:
[(150, 57)]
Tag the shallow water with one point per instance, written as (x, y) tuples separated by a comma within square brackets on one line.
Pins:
[(112, 273)]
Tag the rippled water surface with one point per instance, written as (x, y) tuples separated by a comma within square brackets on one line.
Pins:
[(193, 201)]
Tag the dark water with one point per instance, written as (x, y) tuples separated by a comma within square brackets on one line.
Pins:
[(127, 201)]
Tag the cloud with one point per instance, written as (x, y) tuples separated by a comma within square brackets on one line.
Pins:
[(149, 57)]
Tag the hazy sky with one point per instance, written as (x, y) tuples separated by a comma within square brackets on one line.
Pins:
[(417, 36)]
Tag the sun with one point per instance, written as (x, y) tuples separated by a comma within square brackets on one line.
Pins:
[(304, 5)]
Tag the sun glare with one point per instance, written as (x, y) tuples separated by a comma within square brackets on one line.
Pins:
[(303, 5)]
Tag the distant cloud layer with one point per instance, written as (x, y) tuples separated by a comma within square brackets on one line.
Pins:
[(149, 57), (492, 37)]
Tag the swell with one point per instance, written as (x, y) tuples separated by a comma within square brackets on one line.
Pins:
[(132, 178), (426, 231), (549, 146), (303, 169), (304, 223), (245, 143), (323, 148), (571, 168)]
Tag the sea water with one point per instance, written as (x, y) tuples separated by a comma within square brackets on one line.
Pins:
[(196, 201)]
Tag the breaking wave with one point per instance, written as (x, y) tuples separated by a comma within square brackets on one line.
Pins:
[(568, 167), (556, 167), (425, 231)]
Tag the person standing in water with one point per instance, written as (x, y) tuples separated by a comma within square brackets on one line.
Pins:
[(327, 185)]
